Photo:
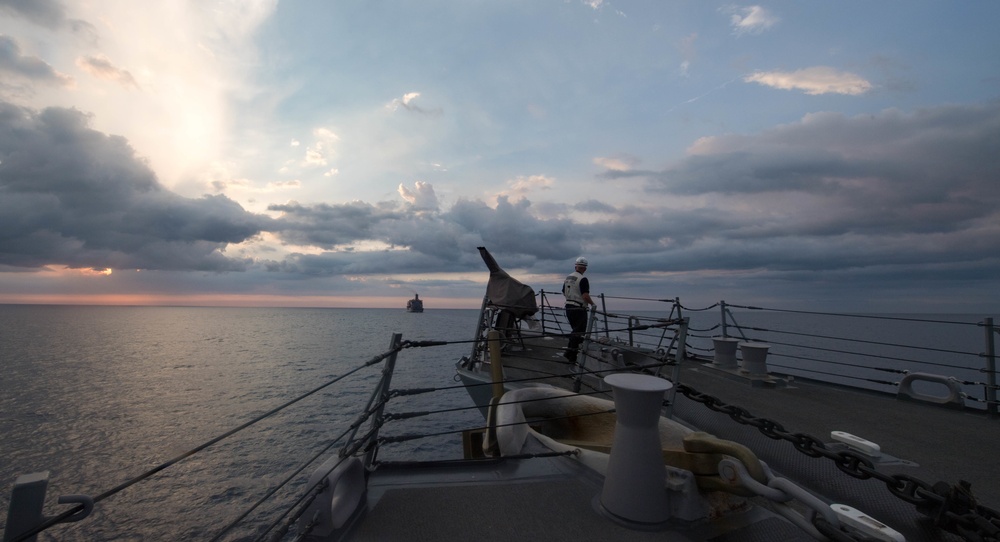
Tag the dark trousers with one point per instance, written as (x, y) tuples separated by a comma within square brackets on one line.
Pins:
[(577, 317)]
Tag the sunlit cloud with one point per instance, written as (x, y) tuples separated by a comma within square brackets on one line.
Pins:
[(407, 102), (421, 197), (322, 149), (749, 19), (525, 184), (814, 81), (101, 67), (284, 185), (617, 163)]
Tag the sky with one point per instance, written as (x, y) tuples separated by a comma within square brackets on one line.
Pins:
[(794, 154)]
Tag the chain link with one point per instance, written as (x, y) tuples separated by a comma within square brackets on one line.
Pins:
[(952, 507)]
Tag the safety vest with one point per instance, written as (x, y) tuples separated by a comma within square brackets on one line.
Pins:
[(571, 289)]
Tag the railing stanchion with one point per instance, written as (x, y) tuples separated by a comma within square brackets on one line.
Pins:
[(604, 311), (675, 376), (725, 328), (541, 306), (991, 374), (381, 395)]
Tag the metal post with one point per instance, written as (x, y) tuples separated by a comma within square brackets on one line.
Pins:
[(26, 502), (725, 331), (382, 393), (581, 356), (991, 374), (604, 310), (541, 304), (675, 375)]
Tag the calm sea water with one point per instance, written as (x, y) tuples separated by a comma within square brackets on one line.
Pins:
[(99, 395)]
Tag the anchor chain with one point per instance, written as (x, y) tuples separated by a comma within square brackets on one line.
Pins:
[(952, 506)]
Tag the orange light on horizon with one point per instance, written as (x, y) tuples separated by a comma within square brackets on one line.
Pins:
[(232, 300)]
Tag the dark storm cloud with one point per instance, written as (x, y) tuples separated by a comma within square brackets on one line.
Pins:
[(833, 192), (327, 226), (447, 238), (931, 169), (366, 263), (874, 201), (70, 195)]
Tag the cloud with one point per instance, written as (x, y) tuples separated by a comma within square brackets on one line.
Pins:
[(421, 197), (439, 238), (523, 185), (830, 196), (749, 19), (882, 195), (101, 67), (622, 162), (28, 67), (814, 81), (75, 197), (834, 192), (688, 52), (328, 226), (407, 103), (322, 149), (48, 14)]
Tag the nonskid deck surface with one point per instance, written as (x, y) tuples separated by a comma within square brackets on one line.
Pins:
[(948, 445), (531, 499), (926, 441)]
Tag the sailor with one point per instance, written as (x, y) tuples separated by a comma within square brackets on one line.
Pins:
[(576, 288)]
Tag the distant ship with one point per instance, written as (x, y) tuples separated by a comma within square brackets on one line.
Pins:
[(415, 304)]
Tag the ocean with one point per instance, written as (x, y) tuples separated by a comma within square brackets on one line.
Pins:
[(99, 395)]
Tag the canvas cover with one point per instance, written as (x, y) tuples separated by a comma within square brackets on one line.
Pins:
[(507, 292)]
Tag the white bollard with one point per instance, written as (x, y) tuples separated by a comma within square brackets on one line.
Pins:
[(754, 357), (725, 352), (634, 487)]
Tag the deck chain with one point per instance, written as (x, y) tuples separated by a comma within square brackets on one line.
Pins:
[(951, 506)]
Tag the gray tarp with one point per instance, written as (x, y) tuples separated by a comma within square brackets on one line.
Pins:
[(507, 292)]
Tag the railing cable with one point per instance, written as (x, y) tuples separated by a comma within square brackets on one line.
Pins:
[(869, 316), (120, 487)]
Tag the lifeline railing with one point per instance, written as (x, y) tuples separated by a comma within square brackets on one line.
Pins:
[(850, 358)]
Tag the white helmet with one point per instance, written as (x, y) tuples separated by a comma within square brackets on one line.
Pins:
[(581, 261)]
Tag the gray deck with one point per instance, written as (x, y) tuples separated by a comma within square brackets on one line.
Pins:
[(532, 499), (931, 442), (556, 499), (948, 445)]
